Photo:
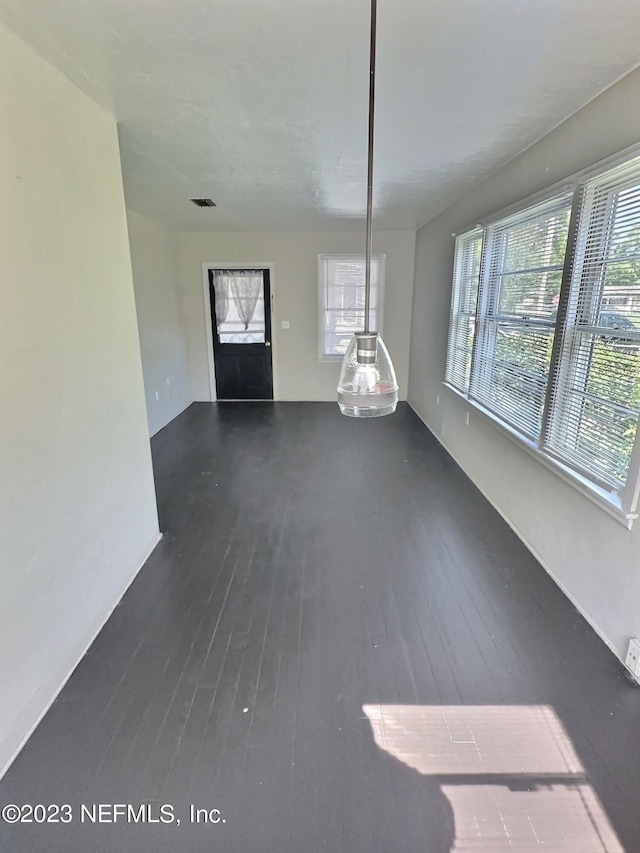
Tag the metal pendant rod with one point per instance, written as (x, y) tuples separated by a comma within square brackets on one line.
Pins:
[(372, 92)]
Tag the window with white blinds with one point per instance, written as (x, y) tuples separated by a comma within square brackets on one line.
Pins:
[(595, 405), (341, 300), (466, 275), (522, 272), (546, 340)]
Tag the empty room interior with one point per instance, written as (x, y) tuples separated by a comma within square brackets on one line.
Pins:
[(311, 543)]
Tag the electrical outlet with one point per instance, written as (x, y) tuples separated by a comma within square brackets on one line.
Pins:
[(157, 395), (632, 661), (284, 324)]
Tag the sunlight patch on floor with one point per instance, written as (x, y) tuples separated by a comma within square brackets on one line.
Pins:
[(510, 773)]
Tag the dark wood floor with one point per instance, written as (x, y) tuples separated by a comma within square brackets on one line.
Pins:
[(340, 646)]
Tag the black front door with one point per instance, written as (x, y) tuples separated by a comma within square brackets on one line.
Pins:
[(241, 326)]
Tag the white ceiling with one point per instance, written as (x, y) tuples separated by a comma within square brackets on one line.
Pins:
[(262, 104)]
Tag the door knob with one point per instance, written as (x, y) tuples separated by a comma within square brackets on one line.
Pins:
[(267, 343)]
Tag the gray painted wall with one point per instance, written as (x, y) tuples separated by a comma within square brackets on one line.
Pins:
[(155, 258), (77, 503), (593, 558), (298, 373)]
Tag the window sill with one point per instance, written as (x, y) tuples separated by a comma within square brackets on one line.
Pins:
[(609, 502)]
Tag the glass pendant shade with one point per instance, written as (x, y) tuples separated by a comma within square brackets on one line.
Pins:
[(367, 387)]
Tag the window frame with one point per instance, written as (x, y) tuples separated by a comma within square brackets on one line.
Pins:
[(380, 258), (620, 504), (460, 296)]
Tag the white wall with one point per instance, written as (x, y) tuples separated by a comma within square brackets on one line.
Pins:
[(298, 373), (155, 258), (594, 558), (77, 503)]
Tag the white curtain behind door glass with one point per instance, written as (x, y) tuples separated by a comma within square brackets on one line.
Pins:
[(246, 287), (221, 291), (239, 306)]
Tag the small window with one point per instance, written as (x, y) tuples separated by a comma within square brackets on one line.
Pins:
[(341, 300)]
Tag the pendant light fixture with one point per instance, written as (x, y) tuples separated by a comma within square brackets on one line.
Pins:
[(367, 387)]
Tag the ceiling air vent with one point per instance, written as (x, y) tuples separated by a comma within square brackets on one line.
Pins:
[(203, 202)]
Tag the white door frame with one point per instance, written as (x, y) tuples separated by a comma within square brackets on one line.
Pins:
[(248, 265)]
